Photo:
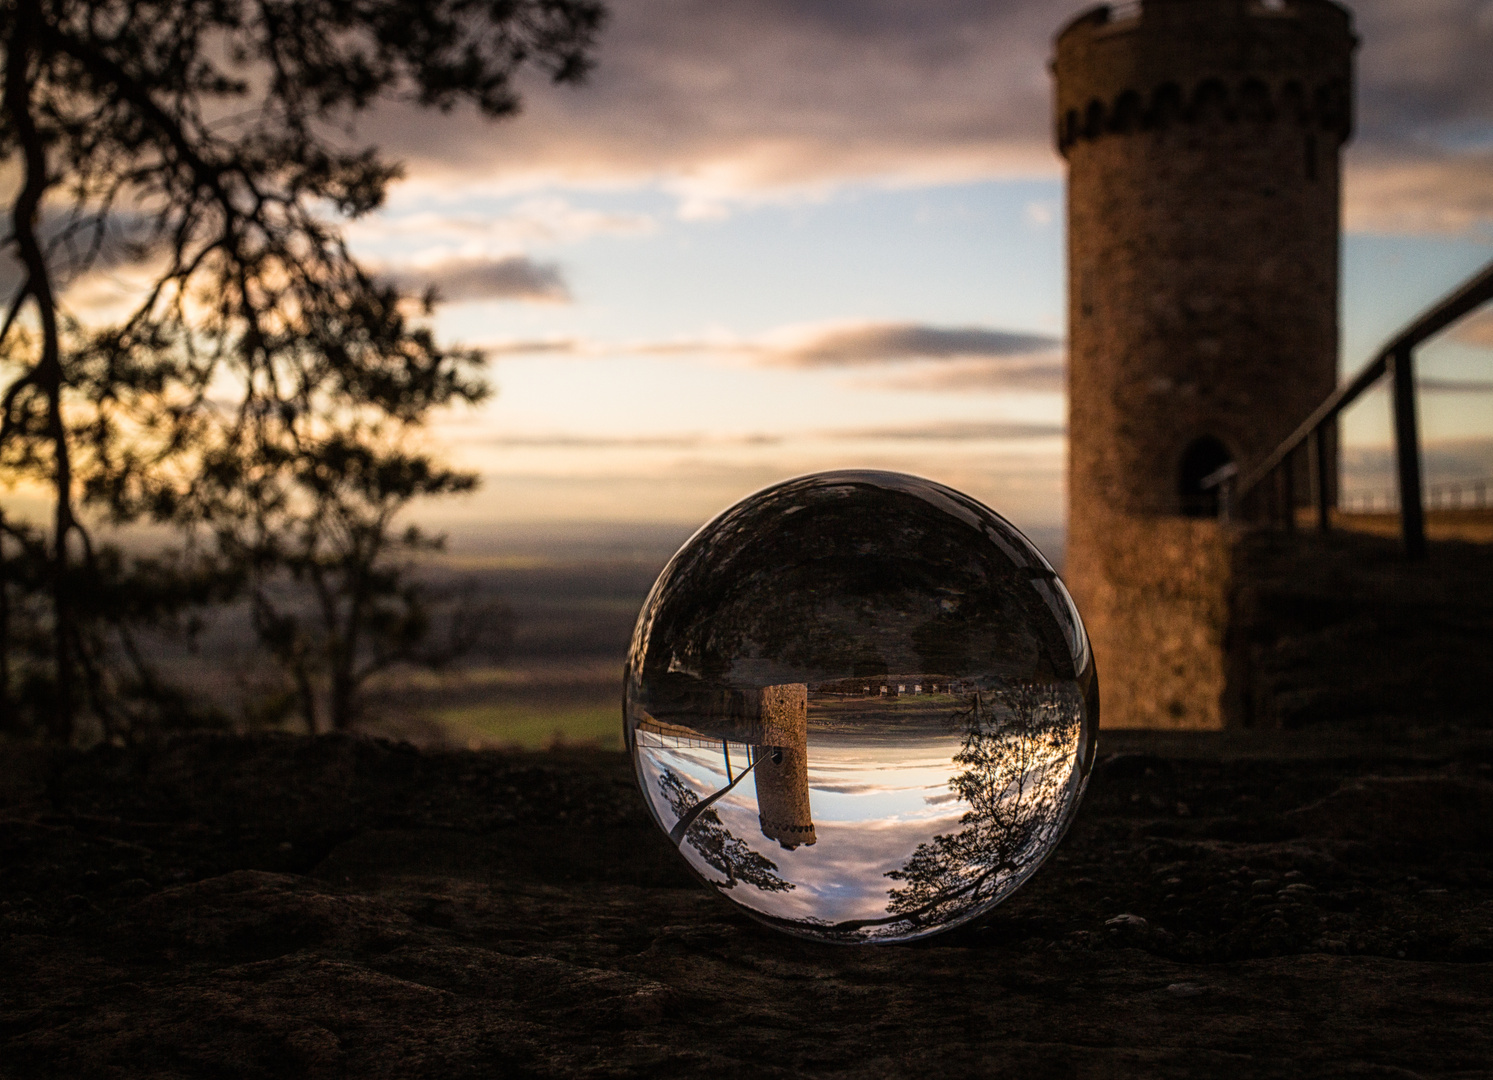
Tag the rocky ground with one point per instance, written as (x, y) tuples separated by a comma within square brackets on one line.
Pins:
[(1344, 626), (1251, 905)]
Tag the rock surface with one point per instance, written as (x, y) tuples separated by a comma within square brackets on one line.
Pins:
[(1226, 905)]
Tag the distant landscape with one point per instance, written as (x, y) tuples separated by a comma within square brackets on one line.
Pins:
[(573, 593), (559, 681)]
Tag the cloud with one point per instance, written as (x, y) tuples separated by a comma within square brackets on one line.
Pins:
[(789, 98), (80, 248), (1418, 190), (588, 347), (881, 343), (1422, 156), (951, 431), (1025, 357), (955, 431), (569, 441), (512, 277), (543, 346), (1043, 372), (1445, 461), (1456, 386), (1423, 72), (547, 219), (1040, 214), (1476, 330), (765, 96)]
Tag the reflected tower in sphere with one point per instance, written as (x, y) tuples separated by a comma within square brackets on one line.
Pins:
[(782, 769), (1202, 139)]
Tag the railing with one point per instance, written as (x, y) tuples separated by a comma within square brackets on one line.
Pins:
[(1451, 495), (1313, 437)]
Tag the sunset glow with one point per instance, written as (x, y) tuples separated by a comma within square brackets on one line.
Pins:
[(778, 237)]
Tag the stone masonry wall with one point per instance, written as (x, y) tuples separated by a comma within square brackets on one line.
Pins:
[(1202, 139), (1158, 602)]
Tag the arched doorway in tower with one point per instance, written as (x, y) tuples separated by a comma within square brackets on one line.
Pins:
[(1203, 456)]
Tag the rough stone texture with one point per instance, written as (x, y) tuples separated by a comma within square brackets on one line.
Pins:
[(1203, 239), (1202, 139), (1157, 600), (781, 775), (1226, 905), (1343, 626), (1210, 627)]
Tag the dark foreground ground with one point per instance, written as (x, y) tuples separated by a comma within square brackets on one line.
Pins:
[(1231, 906)]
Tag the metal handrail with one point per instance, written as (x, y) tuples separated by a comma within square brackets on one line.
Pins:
[(1395, 358)]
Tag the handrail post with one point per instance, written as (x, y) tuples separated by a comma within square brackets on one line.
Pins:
[(1321, 478), (1288, 490), (1407, 454)]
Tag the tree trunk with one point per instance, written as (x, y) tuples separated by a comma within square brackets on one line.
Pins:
[(9, 721), (47, 376)]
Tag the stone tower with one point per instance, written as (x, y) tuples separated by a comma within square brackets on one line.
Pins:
[(782, 769), (1202, 140)]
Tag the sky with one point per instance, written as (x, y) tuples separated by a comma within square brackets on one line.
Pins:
[(774, 236)]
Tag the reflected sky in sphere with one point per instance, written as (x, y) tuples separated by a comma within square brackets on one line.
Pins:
[(862, 706)]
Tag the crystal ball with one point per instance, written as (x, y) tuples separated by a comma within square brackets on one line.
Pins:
[(862, 706)]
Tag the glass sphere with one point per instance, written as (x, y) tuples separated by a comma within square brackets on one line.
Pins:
[(862, 706)]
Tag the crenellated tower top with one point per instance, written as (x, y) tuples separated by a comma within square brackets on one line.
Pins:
[(1139, 66)]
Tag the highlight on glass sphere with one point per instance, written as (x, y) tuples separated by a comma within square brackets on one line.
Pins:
[(862, 706)]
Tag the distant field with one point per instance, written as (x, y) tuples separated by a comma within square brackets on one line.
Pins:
[(556, 681), (1472, 525), (532, 702), (894, 714), (573, 600), (533, 726), (561, 682)]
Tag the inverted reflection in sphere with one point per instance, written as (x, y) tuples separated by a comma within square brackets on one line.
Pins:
[(862, 706)]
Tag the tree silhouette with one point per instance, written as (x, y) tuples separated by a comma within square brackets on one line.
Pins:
[(316, 536), (728, 854), (1017, 764), (1018, 758), (262, 376)]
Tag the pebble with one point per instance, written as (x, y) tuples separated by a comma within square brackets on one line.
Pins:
[(1126, 919)]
